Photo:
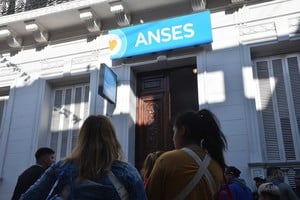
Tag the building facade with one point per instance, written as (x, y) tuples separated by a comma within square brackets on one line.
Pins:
[(52, 53)]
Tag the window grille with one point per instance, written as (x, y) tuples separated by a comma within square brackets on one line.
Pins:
[(70, 108), (278, 81), (3, 104)]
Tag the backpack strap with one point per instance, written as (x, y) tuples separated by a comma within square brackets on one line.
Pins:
[(202, 170), (65, 171), (118, 186)]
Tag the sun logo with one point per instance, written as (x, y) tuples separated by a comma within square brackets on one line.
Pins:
[(112, 44), (117, 43)]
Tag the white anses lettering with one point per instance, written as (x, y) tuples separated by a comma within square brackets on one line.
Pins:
[(166, 34)]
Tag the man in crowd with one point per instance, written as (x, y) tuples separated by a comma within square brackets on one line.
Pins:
[(44, 158), (237, 185), (276, 176), (297, 182), (258, 181)]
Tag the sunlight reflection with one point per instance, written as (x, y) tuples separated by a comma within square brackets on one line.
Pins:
[(123, 92), (263, 102), (215, 85)]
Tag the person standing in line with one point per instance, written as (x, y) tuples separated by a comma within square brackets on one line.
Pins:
[(148, 165), (94, 170), (276, 176), (297, 182), (225, 192), (194, 170), (44, 158), (237, 185), (258, 181)]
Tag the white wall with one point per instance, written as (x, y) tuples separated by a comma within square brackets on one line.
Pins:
[(226, 85), (30, 100), (222, 86)]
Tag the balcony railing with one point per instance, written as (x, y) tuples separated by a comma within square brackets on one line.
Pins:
[(8, 7)]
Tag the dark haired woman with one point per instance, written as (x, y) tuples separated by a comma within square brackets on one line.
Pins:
[(95, 167), (195, 169)]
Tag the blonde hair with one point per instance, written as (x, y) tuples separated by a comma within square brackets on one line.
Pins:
[(97, 147), (149, 163)]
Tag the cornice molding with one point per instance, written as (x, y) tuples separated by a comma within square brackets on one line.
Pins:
[(198, 5), (88, 16), (39, 33), (11, 37), (248, 30), (258, 32), (294, 27), (122, 15)]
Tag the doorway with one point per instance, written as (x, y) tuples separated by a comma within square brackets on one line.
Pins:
[(162, 95)]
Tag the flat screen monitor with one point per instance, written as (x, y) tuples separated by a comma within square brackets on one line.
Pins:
[(107, 84)]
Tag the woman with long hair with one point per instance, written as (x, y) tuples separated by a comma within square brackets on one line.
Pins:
[(94, 170), (194, 170)]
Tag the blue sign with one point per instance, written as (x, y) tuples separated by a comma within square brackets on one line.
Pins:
[(107, 83), (162, 35)]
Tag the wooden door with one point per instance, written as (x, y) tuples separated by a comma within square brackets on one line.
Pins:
[(162, 96), (153, 128)]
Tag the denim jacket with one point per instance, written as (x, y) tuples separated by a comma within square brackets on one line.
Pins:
[(104, 189)]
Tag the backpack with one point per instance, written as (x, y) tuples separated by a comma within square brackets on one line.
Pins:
[(65, 187)]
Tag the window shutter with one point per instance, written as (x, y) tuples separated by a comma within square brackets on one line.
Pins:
[(291, 177), (294, 72), (268, 120), (3, 103), (86, 101), (55, 121), (70, 108), (76, 117), (283, 110)]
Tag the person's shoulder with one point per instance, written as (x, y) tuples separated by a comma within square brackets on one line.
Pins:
[(234, 185), (284, 186), (248, 189), (125, 170), (118, 166), (171, 158), (62, 165), (32, 169), (174, 154)]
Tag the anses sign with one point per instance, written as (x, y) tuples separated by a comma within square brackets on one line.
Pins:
[(162, 35)]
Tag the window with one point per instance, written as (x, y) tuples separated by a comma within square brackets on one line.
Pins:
[(278, 103), (70, 108), (3, 104), (4, 95)]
